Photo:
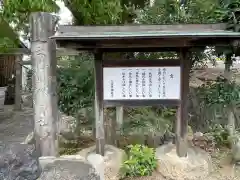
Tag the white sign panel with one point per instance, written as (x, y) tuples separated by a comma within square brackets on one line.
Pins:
[(136, 83)]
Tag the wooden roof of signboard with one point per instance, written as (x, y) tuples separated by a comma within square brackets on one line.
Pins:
[(7, 31), (142, 37)]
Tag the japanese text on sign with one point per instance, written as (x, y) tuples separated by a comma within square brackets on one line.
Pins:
[(141, 83)]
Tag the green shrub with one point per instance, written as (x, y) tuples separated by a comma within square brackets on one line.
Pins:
[(147, 120), (75, 84), (141, 161), (220, 135), (219, 92)]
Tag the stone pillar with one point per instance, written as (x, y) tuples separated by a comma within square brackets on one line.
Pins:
[(43, 54)]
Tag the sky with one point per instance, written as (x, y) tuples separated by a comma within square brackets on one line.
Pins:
[(65, 14)]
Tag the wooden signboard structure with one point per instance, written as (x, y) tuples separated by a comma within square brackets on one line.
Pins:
[(135, 83), (125, 82)]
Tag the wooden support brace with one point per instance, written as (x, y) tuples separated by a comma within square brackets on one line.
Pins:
[(119, 122), (119, 116)]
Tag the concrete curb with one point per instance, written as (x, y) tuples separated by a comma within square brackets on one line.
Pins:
[(45, 160), (95, 160)]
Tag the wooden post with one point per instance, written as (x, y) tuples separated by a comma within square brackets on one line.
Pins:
[(100, 135), (18, 83), (230, 108), (119, 119), (42, 54), (119, 116), (182, 116), (54, 95)]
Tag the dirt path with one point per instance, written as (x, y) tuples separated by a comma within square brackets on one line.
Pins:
[(15, 126)]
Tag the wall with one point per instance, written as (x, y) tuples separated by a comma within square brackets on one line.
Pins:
[(7, 68)]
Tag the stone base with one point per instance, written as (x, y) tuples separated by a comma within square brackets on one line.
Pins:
[(97, 161), (113, 160), (196, 166), (72, 167), (45, 160)]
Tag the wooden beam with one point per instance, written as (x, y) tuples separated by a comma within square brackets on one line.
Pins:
[(100, 135), (141, 62), (16, 51), (146, 43), (138, 28), (79, 48), (42, 52), (139, 103), (182, 116), (60, 52), (18, 83)]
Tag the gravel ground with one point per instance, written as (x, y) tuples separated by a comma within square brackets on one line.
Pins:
[(15, 126)]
